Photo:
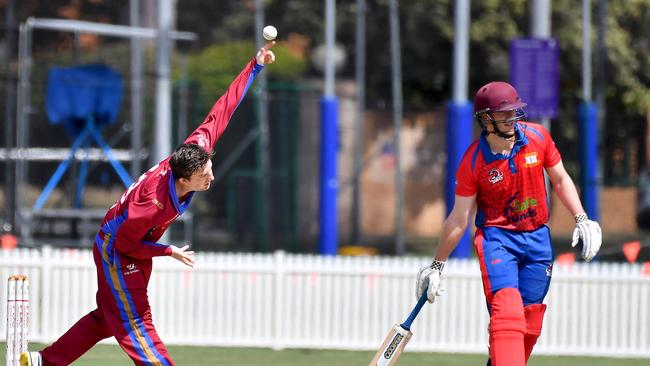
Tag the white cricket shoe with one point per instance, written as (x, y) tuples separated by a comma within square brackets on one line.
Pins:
[(31, 359)]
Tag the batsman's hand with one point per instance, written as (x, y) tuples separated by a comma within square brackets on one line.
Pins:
[(265, 56), (183, 255), (588, 232), (431, 276)]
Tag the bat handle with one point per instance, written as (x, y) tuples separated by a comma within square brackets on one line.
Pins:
[(421, 301)]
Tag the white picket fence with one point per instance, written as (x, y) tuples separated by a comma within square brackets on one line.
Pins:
[(303, 301)]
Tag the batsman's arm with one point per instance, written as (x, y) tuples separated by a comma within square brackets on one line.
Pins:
[(587, 232), (565, 188), (215, 123), (454, 226), (464, 201)]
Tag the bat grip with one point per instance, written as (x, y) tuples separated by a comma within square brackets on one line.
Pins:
[(421, 301)]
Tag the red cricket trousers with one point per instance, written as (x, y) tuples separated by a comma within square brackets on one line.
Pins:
[(122, 312)]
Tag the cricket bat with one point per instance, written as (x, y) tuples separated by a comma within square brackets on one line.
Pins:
[(397, 338)]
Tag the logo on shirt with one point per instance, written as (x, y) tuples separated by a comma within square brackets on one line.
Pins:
[(495, 176), (531, 160), (203, 141), (521, 206), (549, 270), (519, 210), (131, 268), (158, 203)]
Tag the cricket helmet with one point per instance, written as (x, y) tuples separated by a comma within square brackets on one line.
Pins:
[(497, 96)]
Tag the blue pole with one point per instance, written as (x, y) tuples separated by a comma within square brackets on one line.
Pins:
[(588, 132), (83, 176), (459, 137), (328, 177)]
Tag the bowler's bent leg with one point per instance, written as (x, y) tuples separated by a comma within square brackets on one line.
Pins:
[(77, 340), (125, 307)]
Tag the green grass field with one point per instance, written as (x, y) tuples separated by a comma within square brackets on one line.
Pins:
[(105, 355)]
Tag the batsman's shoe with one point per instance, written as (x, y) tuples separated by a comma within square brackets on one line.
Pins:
[(31, 359)]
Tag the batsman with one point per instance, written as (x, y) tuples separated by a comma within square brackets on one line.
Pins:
[(127, 240), (502, 176)]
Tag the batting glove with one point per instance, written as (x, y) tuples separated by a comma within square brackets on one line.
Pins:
[(588, 232), (431, 276)]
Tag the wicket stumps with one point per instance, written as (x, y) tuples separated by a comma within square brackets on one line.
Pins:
[(17, 318)]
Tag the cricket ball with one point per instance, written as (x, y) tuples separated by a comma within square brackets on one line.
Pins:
[(270, 33)]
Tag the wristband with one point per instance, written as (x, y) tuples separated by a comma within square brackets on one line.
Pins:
[(437, 265), (581, 218)]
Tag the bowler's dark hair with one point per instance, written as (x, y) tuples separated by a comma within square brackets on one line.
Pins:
[(187, 159)]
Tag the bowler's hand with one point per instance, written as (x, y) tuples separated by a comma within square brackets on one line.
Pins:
[(183, 255), (265, 56)]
